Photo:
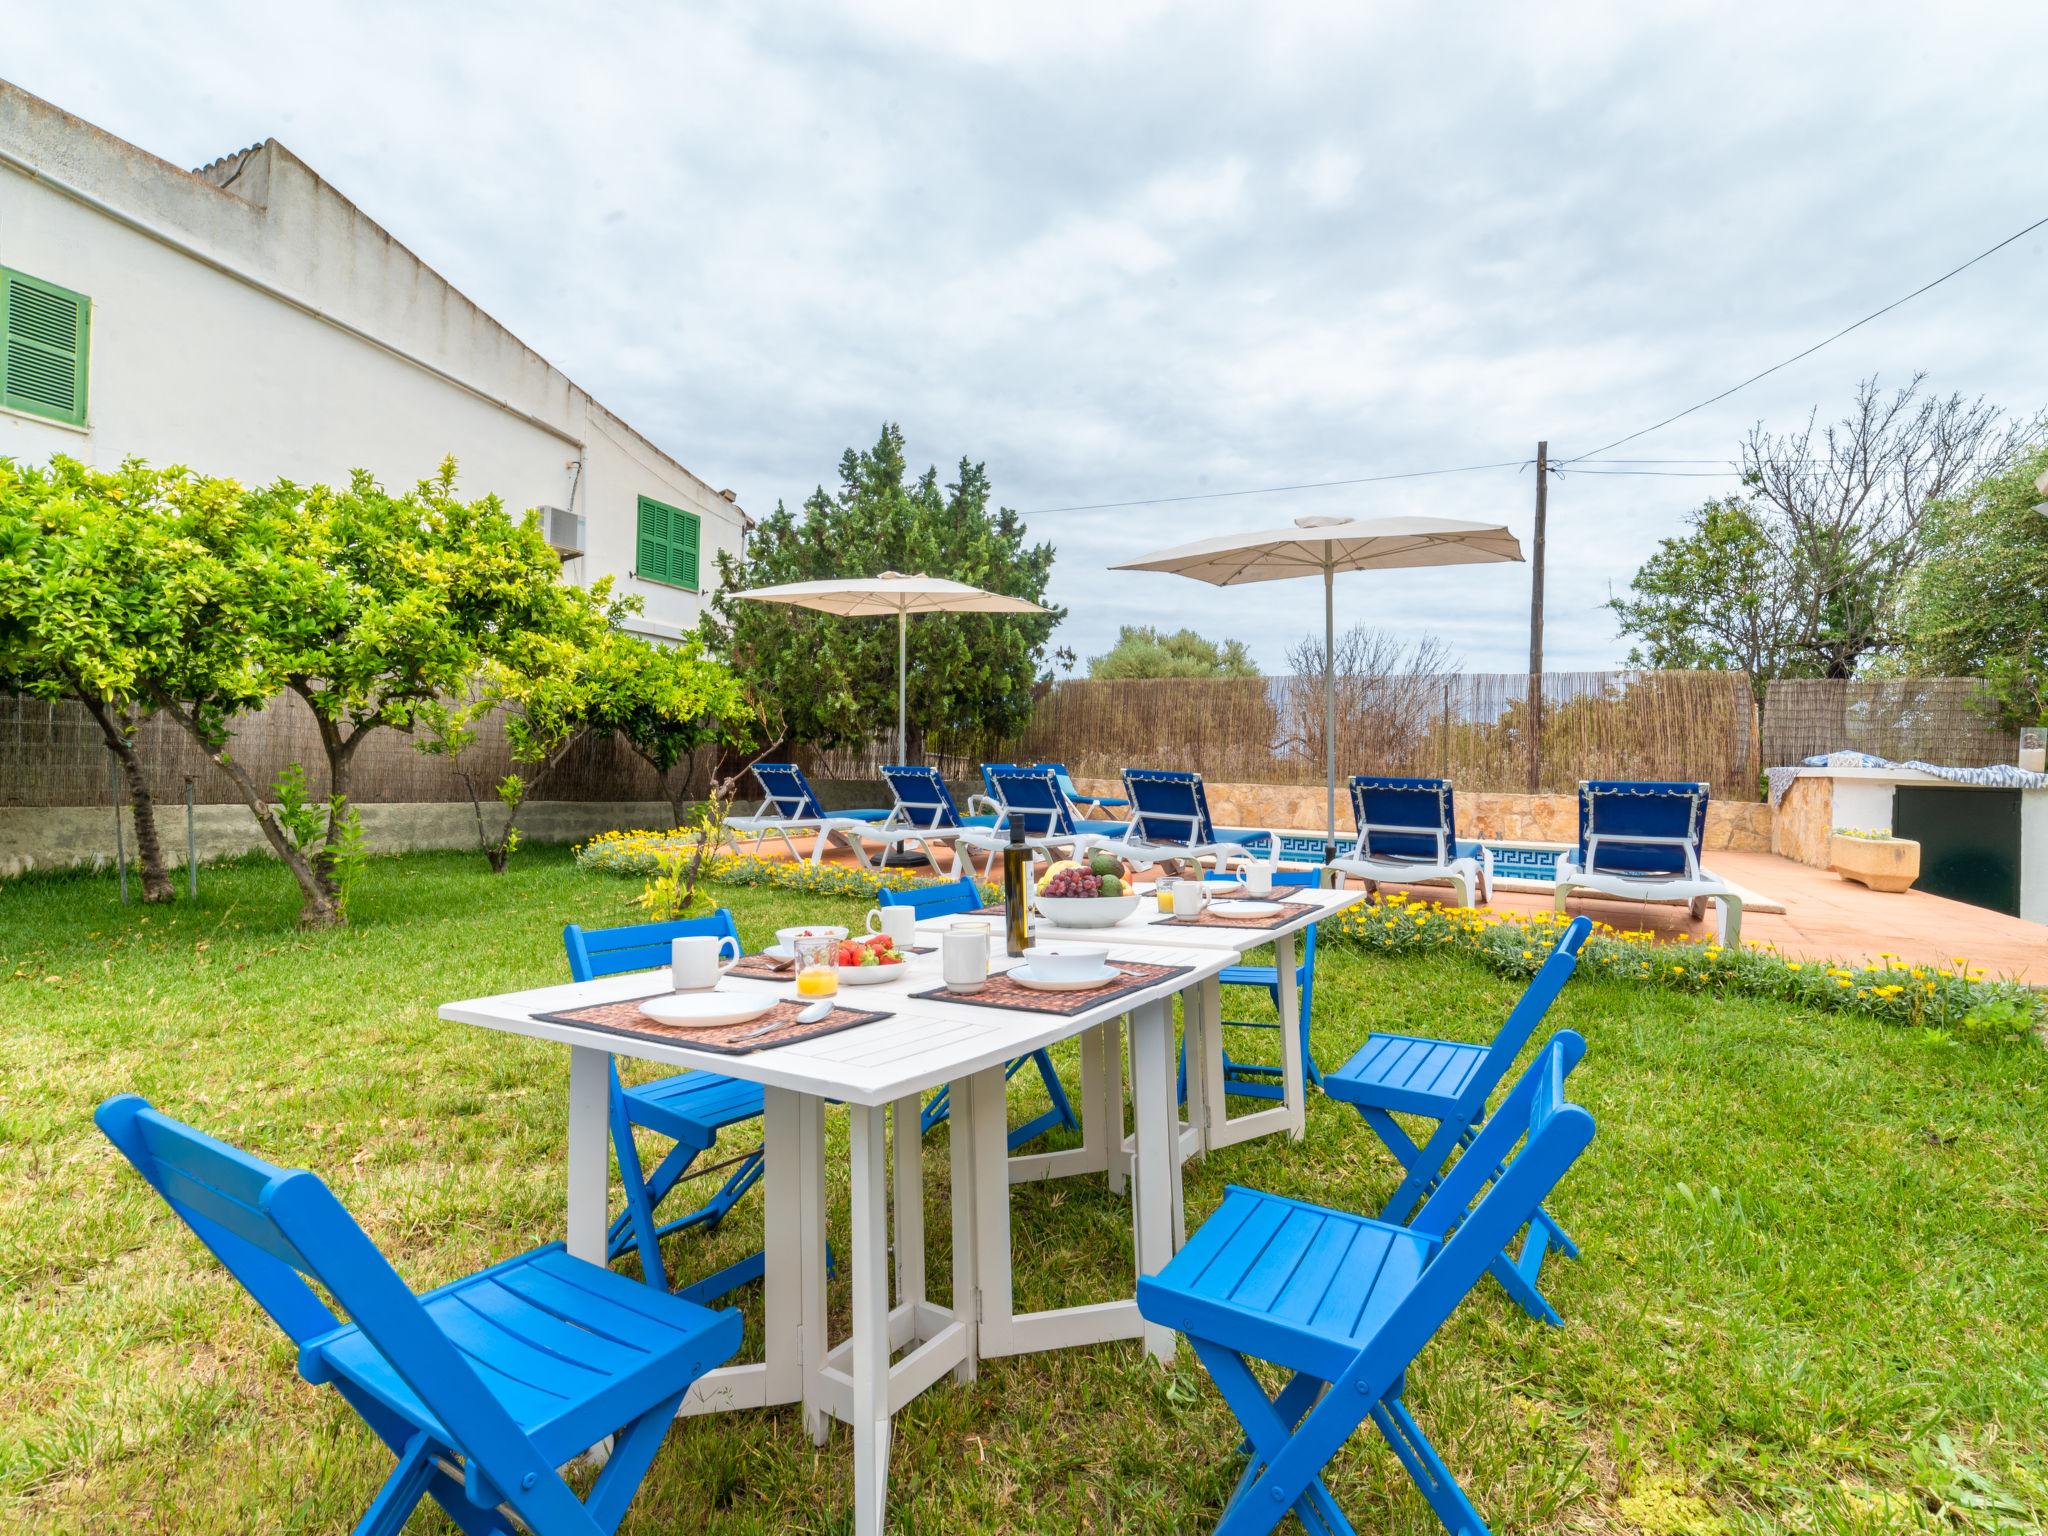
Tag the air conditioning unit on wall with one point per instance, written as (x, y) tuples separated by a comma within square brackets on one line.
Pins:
[(564, 530)]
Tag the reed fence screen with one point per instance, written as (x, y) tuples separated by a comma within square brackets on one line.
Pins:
[(1470, 727), (1934, 719), (52, 754)]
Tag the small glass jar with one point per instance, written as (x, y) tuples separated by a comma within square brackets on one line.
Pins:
[(817, 965)]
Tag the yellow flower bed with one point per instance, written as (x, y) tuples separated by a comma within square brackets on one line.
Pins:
[(637, 855), (1955, 997)]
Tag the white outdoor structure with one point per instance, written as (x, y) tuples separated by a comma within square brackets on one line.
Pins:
[(892, 593), (1323, 546), (247, 319)]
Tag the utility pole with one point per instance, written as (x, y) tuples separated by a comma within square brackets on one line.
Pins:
[(1536, 621)]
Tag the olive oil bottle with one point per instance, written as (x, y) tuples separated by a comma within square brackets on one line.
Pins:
[(1016, 888)]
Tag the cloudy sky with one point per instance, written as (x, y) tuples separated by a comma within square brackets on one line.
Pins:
[(1125, 251)]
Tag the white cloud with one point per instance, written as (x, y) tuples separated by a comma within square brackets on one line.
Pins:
[(1122, 251)]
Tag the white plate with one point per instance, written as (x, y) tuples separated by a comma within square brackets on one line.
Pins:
[(706, 1010), (1021, 974), (1218, 891), (1244, 908)]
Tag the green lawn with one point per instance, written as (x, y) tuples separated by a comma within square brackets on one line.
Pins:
[(1814, 1293)]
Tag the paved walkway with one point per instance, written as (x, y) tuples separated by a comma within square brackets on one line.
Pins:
[(1829, 918)]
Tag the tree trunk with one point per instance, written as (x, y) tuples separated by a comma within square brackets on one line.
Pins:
[(149, 853), (319, 908), (341, 751)]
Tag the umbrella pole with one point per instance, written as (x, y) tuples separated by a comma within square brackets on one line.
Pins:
[(902, 685), (1330, 700)]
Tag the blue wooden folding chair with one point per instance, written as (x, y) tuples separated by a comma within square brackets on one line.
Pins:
[(1449, 1081), (949, 899), (689, 1108), (1252, 1079), (1344, 1304), (481, 1388)]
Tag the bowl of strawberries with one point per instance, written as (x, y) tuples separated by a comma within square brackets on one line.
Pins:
[(866, 962)]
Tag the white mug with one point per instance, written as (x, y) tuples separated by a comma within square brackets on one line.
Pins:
[(963, 957), (899, 923), (1190, 897), (696, 963), (1258, 875)]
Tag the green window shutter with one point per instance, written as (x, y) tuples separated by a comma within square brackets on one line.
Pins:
[(683, 552), (44, 331), (653, 541), (668, 540)]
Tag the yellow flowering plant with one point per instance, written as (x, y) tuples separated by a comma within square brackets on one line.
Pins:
[(1955, 998)]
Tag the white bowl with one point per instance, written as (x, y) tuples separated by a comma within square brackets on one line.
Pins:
[(1086, 911), (1067, 962), (785, 937), (871, 975)]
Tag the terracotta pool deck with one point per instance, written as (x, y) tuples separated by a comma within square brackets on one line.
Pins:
[(1825, 918), (1829, 918)]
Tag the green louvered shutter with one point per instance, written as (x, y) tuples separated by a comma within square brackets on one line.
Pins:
[(653, 540), (43, 347), (669, 541), (682, 562)]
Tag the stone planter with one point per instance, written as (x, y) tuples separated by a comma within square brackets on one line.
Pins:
[(1890, 864)]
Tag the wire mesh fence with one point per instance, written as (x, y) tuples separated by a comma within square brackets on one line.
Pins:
[(1934, 719)]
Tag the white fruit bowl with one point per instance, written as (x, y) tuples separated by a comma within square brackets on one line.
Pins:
[(1086, 911)]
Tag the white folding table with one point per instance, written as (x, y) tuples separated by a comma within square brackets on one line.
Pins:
[(1209, 1125), (876, 1069)]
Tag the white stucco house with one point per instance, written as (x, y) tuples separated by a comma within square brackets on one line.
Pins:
[(249, 320)]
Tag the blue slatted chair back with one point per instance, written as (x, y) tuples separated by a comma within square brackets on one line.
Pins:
[(1032, 796), (1537, 1097), (1169, 807), (595, 952), (1621, 812), (789, 791), (1401, 818), (1527, 1013), (937, 900), (922, 799), (273, 1229), (1551, 1141)]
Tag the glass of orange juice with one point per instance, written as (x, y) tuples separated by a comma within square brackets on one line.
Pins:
[(817, 965)]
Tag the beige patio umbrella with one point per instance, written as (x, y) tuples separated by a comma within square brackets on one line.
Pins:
[(1323, 546), (892, 592)]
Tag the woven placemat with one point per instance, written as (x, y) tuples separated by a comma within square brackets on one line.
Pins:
[(1001, 992), (625, 1018), (760, 967), (1289, 911)]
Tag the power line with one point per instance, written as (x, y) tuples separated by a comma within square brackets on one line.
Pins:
[(1845, 330), (1268, 490)]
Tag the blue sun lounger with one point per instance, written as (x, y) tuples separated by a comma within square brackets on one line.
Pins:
[(1170, 820), (790, 808), (1032, 798), (1642, 841), (1408, 835)]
